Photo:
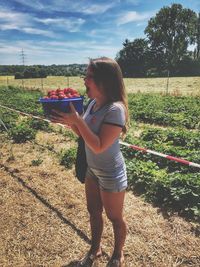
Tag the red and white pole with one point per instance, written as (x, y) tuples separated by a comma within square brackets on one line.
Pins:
[(183, 161)]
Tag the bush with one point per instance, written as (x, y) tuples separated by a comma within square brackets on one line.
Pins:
[(154, 134), (180, 111), (141, 174), (38, 124), (22, 133), (68, 157), (8, 119), (175, 191), (22, 100)]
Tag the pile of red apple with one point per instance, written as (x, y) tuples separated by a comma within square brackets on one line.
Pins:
[(62, 93)]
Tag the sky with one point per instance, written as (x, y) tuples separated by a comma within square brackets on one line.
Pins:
[(72, 31)]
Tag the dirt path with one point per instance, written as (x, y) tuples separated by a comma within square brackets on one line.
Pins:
[(43, 219)]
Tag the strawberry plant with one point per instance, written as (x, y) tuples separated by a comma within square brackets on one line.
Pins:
[(176, 111), (68, 157), (38, 124), (22, 100), (175, 191), (36, 162), (7, 119), (22, 133)]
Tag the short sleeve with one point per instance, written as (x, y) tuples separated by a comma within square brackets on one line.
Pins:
[(115, 115)]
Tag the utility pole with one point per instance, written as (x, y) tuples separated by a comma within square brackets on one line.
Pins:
[(22, 55), (22, 58)]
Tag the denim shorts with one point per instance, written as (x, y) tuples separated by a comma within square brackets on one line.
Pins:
[(109, 181)]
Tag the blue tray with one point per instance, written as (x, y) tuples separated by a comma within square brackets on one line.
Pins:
[(61, 105)]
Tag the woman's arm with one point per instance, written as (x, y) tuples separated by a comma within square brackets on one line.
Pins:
[(75, 129), (97, 143), (61, 117)]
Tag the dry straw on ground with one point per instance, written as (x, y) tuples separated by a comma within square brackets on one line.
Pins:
[(44, 222)]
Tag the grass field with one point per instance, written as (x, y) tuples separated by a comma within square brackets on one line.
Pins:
[(175, 86)]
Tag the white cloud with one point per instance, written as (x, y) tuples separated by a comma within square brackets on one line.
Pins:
[(37, 4), (82, 6), (96, 9), (191, 47), (38, 32), (13, 20), (69, 24), (133, 16), (22, 22)]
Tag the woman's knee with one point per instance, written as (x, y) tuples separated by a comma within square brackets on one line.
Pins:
[(95, 211), (116, 220)]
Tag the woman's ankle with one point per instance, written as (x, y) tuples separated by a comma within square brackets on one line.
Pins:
[(96, 251), (118, 256)]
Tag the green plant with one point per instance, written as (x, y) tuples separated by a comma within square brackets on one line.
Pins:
[(176, 111), (36, 162), (38, 124), (68, 157), (7, 119), (22, 133), (70, 134)]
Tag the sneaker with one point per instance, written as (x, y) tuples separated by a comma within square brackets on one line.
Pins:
[(115, 263), (88, 260)]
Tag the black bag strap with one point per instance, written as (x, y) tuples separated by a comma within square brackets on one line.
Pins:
[(81, 163)]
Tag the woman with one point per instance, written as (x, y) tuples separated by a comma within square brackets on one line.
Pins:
[(102, 124)]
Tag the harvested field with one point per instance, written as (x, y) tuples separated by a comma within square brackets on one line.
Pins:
[(44, 222), (173, 85)]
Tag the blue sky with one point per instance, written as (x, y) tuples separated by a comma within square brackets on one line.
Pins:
[(71, 31)]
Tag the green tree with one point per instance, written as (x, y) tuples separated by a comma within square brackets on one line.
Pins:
[(198, 38), (18, 75), (171, 31), (133, 58), (42, 73)]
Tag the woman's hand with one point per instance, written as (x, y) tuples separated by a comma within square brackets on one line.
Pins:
[(65, 118)]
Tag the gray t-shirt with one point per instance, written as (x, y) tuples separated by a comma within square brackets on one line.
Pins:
[(110, 160)]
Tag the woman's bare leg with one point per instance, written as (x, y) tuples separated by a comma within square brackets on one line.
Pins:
[(95, 209), (113, 204)]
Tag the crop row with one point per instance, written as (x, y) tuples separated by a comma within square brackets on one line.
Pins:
[(175, 111)]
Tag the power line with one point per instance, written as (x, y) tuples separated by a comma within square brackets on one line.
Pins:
[(22, 57)]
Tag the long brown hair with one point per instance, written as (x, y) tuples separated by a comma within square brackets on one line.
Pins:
[(108, 76)]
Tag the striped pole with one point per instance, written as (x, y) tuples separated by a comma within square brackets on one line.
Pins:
[(183, 161)]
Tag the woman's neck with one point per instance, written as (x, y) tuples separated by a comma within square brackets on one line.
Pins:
[(100, 102)]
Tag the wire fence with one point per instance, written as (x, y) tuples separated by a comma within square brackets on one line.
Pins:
[(43, 84), (165, 85)]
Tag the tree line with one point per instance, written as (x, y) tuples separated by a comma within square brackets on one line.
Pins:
[(42, 71), (164, 51)]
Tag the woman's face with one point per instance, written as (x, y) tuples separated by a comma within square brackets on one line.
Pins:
[(92, 90)]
